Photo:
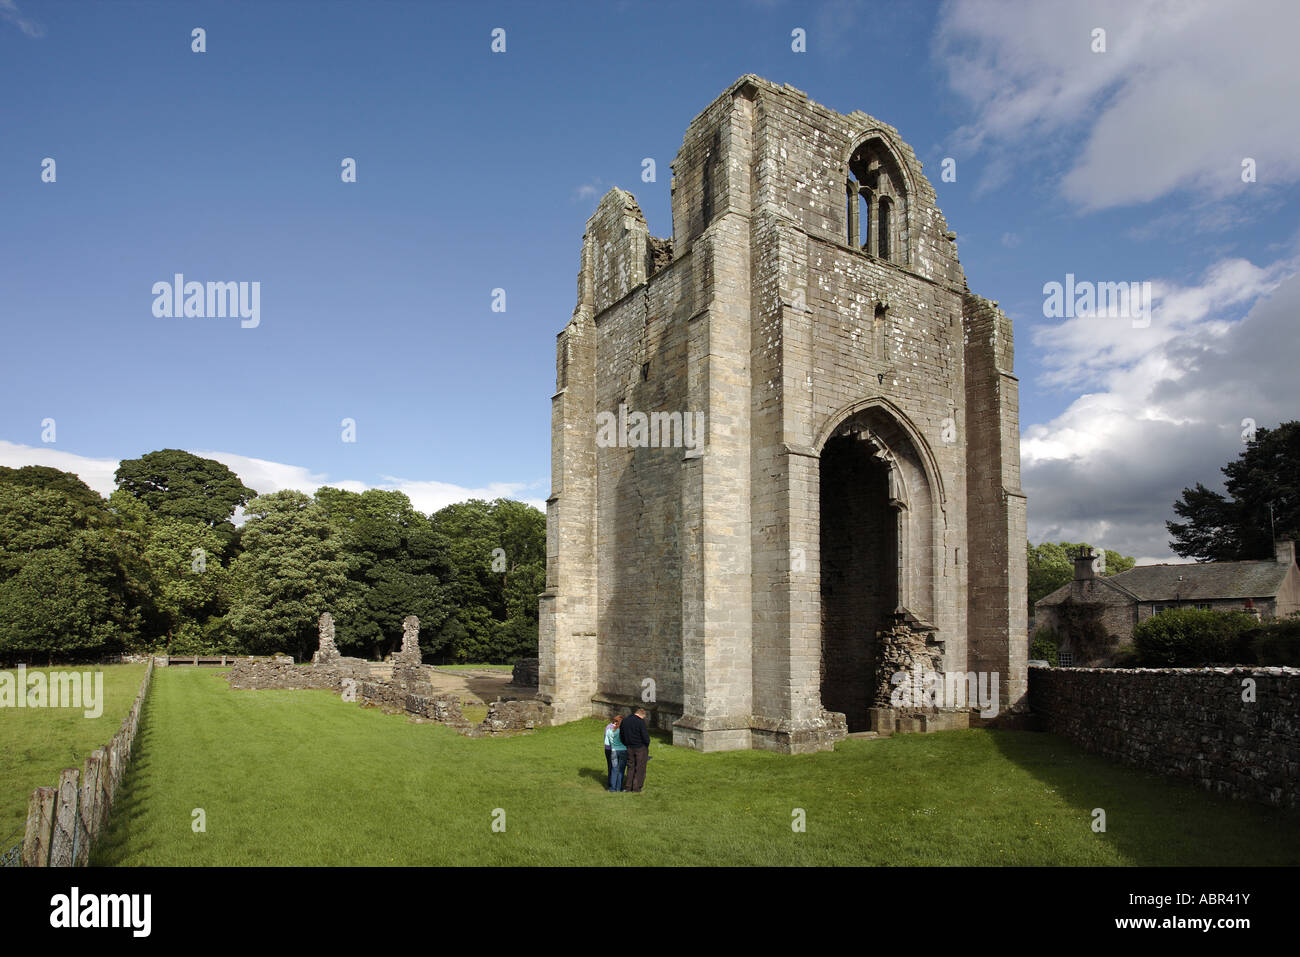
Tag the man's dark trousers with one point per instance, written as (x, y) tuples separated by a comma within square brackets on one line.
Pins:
[(636, 759)]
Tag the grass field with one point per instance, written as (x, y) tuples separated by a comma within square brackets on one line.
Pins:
[(303, 778), (37, 743), (505, 668)]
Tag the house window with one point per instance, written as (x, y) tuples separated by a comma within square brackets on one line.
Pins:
[(1065, 659)]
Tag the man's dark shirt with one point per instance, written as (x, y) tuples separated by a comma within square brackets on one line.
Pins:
[(634, 732)]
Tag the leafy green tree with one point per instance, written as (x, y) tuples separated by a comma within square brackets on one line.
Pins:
[(397, 566), (498, 551), (32, 520), (71, 583), (191, 585), (291, 569), (1263, 503), (180, 485), (53, 607), (82, 496)]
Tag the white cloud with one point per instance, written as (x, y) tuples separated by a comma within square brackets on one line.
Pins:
[(265, 477), (1184, 92), (97, 473), (9, 11), (431, 496), (1162, 407), (589, 191)]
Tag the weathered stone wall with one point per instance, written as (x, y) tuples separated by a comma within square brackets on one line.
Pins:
[(254, 673), (1189, 723), (407, 689)]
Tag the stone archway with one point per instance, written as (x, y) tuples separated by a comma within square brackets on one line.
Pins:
[(876, 553)]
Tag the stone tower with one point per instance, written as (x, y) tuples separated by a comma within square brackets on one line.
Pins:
[(779, 440)]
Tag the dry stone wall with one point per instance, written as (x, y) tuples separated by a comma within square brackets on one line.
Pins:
[(1232, 731)]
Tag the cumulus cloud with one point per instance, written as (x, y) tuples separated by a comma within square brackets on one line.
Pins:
[(1185, 90), (265, 477), (97, 473), (1162, 407)]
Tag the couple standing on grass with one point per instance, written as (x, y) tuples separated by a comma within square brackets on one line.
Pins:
[(627, 749)]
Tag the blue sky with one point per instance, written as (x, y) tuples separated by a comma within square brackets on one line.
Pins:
[(477, 171)]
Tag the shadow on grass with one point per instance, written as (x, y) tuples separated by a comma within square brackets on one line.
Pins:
[(131, 799), (661, 738), (1150, 818)]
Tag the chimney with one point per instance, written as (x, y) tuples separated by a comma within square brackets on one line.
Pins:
[(1085, 564), (1284, 551)]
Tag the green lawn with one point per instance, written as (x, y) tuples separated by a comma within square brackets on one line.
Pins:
[(37, 743), (303, 778), (506, 668)]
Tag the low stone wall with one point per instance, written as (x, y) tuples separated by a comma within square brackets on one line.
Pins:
[(1233, 731), (511, 714), (280, 672), (403, 688)]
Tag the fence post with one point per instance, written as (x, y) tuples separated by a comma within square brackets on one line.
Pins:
[(40, 824), (63, 845), (89, 803), (114, 767)]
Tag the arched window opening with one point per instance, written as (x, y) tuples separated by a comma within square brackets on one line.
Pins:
[(876, 202), (883, 228)]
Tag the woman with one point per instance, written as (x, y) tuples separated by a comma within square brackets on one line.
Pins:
[(615, 754)]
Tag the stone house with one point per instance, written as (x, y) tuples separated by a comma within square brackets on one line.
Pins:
[(784, 445), (1267, 589)]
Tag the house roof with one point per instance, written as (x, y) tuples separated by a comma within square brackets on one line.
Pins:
[(1206, 581)]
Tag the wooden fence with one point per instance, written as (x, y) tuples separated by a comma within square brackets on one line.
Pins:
[(65, 822)]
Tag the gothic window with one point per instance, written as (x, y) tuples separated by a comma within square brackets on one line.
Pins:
[(876, 202)]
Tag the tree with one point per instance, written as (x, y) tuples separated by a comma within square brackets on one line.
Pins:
[(291, 569), (71, 583), (190, 583), (53, 607), (498, 551), (1051, 565), (397, 566), (179, 485), (1263, 503), (46, 477)]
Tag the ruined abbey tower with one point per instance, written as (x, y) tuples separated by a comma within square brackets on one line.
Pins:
[(784, 444)]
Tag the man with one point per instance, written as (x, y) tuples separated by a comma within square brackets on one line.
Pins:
[(636, 736)]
